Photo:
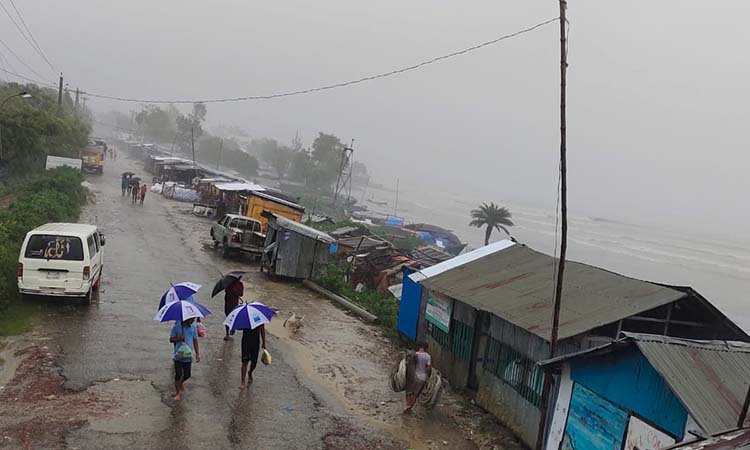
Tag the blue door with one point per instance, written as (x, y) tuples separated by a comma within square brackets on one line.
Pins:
[(408, 310)]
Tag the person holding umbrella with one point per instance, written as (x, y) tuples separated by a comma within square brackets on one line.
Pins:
[(184, 337), (251, 318), (233, 288)]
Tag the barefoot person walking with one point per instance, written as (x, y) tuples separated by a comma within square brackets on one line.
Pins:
[(251, 318), (251, 345), (184, 336), (417, 378)]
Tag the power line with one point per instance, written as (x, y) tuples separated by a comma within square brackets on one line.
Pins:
[(41, 83), (31, 35), (19, 58), (336, 85)]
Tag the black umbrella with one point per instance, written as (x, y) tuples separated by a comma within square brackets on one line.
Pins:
[(125, 174), (226, 281)]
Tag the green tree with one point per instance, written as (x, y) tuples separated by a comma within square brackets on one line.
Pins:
[(300, 166), (282, 160), (326, 159), (188, 122), (230, 156), (266, 149), (36, 127), (157, 124), (326, 149), (492, 217)]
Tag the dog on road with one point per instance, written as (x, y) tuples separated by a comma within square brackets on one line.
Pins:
[(294, 322)]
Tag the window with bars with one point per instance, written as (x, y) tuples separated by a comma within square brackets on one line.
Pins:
[(515, 369), (463, 337), (440, 336)]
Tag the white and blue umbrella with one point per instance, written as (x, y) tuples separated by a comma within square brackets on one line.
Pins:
[(249, 315), (179, 291), (180, 311)]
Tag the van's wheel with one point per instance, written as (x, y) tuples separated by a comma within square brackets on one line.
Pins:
[(25, 298), (87, 298)]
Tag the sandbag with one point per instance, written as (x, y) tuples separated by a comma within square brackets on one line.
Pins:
[(398, 376), (431, 391)]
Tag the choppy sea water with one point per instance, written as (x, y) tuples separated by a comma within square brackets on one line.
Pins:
[(717, 267)]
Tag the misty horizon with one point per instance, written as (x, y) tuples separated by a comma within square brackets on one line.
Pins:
[(654, 110)]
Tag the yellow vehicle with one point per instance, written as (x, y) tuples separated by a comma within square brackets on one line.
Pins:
[(93, 160), (257, 202)]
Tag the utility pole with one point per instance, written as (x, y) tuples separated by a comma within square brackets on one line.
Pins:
[(395, 204), (78, 93), (221, 146), (192, 144), (547, 387), (59, 92), (171, 153)]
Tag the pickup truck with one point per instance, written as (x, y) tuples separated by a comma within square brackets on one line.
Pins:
[(237, 233)]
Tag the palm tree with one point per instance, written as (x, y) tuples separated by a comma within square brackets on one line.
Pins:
[(491, 216)]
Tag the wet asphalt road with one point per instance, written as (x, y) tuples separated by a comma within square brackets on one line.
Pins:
[(115, 345)]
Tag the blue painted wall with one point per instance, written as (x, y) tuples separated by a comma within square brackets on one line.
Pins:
[(593, 422), (627, 379), (408, 309)]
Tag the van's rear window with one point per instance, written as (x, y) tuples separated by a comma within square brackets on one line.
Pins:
[(50, 246)]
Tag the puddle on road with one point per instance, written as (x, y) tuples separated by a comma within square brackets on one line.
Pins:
[(351, 361), (139, 408)]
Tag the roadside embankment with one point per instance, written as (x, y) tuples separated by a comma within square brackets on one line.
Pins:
[(54, 196)]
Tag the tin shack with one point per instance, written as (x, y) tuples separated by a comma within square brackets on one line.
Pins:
[(647, 392), (294, 250), (487, 318)]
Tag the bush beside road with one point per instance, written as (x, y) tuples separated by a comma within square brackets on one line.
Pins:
[(54, 196)]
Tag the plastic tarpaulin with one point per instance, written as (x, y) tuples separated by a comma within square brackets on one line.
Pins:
[(408, 310)]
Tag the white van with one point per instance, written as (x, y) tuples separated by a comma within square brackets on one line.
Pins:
[(61, 260)]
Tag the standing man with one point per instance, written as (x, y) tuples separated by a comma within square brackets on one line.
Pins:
[(232, 295), (252, 341), (184, 336), (124, 184), (416, 381), (134, 190)]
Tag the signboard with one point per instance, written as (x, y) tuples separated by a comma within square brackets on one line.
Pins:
[(53, 162), (642, 436), (438, 312)]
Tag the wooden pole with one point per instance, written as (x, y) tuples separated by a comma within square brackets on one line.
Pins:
[(547, 387), (743, 413)]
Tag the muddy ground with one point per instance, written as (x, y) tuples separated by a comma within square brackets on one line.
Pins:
[(99, 376)]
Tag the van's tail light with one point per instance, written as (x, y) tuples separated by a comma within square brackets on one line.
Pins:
[(86, 272), (19, 271)]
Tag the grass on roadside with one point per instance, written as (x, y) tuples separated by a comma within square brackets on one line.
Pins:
[(52, 196), (385, 307), (17, 318)]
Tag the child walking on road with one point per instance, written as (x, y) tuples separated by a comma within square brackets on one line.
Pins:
[(144, 189), (252, 341), (184, 336)]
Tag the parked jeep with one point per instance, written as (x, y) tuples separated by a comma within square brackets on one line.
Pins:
[(237, 233)]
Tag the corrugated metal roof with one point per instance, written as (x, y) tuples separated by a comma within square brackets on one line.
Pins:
[(279, 200), (730, 440), (304, 230), (711, 378), (239, 186), (515, 283)]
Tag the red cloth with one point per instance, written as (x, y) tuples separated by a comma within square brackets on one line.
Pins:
[(232, 294)]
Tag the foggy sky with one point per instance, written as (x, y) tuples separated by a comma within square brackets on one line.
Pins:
[(658, 95)]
